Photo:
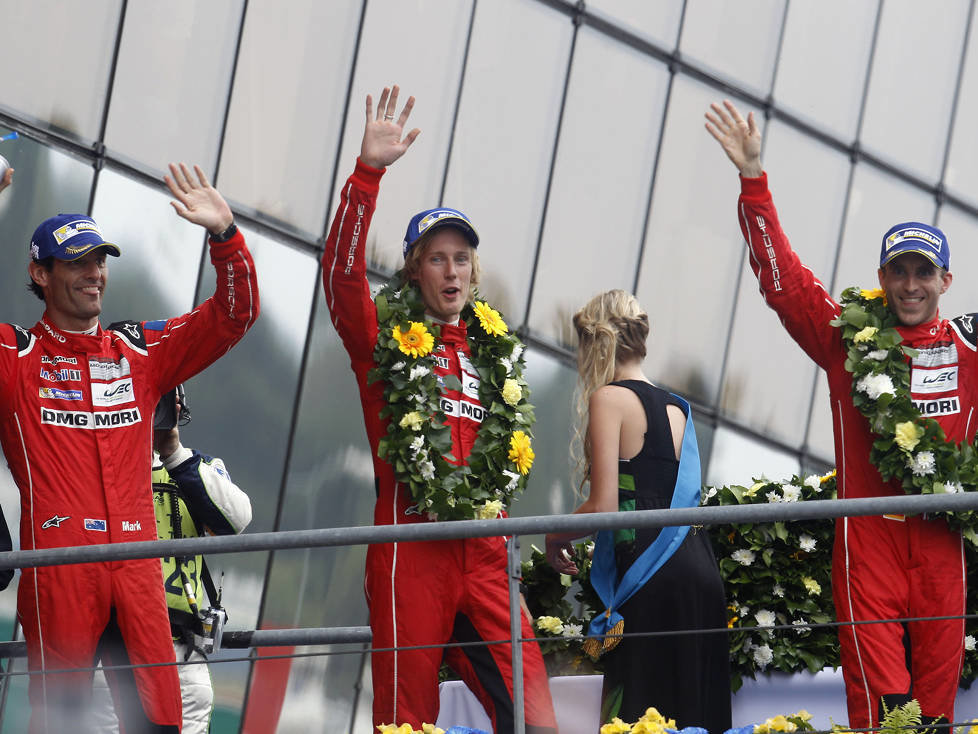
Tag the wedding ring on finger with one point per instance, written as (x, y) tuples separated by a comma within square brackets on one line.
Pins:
[(388, 117)]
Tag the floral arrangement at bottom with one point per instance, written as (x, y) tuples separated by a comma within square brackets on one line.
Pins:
[(408, 729), (777, 576), (557, 627)]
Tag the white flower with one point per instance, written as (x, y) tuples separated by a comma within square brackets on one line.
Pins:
[(763, 655), (507, 364), (876, 385), (953, 488), (791, 492), (571, 630), (807, 543), (765, 618), (513, 477), (744, 611), (418, 371), (415, 446), (922, 463), (969, 643), (517, 351), (710, 493), (774, 497), (877, 354), (398, 366), (801, 625), (778, 591), (813, 481), (427, 470), (743, 556)]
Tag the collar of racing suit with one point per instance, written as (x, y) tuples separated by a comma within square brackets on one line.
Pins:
[(921, 332)]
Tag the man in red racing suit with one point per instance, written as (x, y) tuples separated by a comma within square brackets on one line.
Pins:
[(76, 419), (425, 593), (886, 566)]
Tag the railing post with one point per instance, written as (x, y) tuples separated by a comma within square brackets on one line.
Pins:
[(515, 631)]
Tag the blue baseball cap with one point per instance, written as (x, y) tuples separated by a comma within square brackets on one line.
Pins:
[(68, 237), (916, 237), (431, 219)]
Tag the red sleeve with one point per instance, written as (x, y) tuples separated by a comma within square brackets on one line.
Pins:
[(345, 265), (183, 346), (788, 286)]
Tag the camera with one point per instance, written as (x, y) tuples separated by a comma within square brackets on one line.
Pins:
[(210, 629), (165, 416)]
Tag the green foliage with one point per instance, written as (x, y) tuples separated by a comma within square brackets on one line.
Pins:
[(776, 574)]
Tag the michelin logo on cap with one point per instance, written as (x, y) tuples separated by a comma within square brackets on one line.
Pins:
[(61, 234), (913, 234)]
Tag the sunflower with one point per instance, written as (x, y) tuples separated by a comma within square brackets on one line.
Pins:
[(520, 451), (873, 293), (490, 319), (417, 341)]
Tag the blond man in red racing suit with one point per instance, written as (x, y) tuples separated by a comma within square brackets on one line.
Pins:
[(886, 566), (425, 593)]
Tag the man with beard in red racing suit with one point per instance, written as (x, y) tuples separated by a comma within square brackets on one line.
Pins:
[(887, 566), (425, 593), (76, 419)]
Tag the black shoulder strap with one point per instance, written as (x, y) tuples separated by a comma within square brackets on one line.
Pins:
[(132, 332), (967, 328)]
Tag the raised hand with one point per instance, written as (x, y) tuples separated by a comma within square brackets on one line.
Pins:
[(382, 142), (7, 178), (198, 201), (739, 138)]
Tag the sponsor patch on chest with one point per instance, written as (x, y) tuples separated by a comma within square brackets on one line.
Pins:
[(940, 406), (943, 379)]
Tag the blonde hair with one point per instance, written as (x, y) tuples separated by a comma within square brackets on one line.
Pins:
[(412, 262), (612, 328)]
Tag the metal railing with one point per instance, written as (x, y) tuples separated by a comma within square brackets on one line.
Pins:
[(427, 531)]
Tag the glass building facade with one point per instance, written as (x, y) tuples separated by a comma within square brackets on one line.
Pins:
[(570, 132)]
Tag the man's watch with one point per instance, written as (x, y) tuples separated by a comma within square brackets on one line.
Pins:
[(226, 234)]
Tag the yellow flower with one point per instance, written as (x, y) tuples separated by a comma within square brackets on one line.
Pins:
[(520, 451), (412, 420), (864, 335), (512, 392), (872, 293), (392, 729), (553, 625), (827, 477), (811, 585), (617, 726), (654, 721), (490, 319), (974, 726), (803, 715), (417, 341), (490, 510), (753, 490), (778, 723), (431, 729), (907, 435)]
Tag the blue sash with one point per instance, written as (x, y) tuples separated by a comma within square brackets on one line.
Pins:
[(603, 571)]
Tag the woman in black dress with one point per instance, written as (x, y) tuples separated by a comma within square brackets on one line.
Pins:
[(628, 444)]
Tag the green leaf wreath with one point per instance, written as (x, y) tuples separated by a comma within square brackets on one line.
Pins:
[(417, 440), (909, 447)]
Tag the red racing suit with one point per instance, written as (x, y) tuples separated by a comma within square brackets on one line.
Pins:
[(76, 419), (425, 593), (885, 566)]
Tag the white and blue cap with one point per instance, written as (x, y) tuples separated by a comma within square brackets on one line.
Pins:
[(916, 237), (430, 219), (68, 237)]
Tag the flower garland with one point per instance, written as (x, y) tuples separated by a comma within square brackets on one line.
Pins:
[(909, 447), (418, 440)]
